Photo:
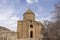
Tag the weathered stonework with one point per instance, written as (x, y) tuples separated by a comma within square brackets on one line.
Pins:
[(24, 28), (27, 29)]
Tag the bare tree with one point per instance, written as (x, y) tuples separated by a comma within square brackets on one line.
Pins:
[(53, 29)]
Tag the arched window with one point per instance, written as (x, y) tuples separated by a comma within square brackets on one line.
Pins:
[(31, 26), (31, 34)]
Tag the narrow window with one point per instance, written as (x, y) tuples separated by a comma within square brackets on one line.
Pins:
[(31, 34)]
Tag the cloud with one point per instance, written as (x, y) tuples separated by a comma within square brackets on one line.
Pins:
[(6, 18), (8, 13), (41, 9), (43, 19), (31, 1), (10, 23), (5, 13), (37, 14)]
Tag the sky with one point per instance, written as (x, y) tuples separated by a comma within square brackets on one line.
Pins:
[(12, 10)]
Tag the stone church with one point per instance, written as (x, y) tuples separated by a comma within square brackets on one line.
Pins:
[(28, 28)]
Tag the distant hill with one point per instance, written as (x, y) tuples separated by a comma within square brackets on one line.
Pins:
[(3, 29)]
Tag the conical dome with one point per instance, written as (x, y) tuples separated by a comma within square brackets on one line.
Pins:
[(29, 15), (29, 11)]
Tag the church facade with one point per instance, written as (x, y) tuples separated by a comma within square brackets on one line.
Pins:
[(28, 27)]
